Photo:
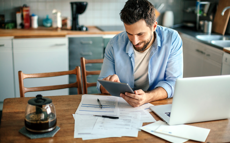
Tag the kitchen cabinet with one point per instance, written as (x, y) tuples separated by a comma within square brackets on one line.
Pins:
[(200, 59), (6, 72), (90, 47), (38, 55), (226, 64)]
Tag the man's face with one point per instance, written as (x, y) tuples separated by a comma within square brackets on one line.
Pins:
[(140, 35)]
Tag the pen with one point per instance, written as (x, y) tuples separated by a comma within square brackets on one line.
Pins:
[(99, 103), (111, 117)]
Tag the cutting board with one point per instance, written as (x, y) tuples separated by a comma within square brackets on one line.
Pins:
[(220, 22)]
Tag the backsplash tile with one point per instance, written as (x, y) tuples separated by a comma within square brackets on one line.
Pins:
[(98, 12)]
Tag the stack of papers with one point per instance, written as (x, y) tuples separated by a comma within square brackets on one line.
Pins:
[(87, 126), (176, 133)]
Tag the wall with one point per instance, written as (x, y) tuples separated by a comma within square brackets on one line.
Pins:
[(98, 12)]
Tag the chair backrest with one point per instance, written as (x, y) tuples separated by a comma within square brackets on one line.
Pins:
[(85, 73), (23, 76)]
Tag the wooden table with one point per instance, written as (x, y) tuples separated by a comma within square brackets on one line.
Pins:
[(13, 120)]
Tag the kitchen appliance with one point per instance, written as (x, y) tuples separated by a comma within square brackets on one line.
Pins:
[(76, 9), (40, 115), (168, 19)]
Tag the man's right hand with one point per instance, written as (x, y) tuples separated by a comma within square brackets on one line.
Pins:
[(113, 78)]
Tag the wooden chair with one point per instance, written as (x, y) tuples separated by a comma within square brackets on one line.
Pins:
[(85, 73), (23, 89)]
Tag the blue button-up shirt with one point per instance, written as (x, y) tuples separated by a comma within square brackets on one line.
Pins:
[(164, 67)]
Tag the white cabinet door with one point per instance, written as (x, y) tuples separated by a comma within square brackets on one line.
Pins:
[(226, 64), (6, 70), (200, 59), (38, 55), (212, 61), (193, 58)]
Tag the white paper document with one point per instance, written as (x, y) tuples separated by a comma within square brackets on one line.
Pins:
[(89, 105), (145, 115), (185, 131), (150, 128), (87, 126), (127, 125)]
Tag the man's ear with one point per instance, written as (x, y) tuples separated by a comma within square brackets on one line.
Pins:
[(154, 26)]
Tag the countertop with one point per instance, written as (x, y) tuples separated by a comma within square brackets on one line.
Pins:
[(227, 50), (51, 32), (43, 32), (193, 33)]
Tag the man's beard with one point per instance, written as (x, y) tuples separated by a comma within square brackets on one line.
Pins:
[(145, 45)]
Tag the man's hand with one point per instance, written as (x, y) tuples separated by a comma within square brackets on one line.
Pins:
[(140, 97), (113, 78), (137, 99)]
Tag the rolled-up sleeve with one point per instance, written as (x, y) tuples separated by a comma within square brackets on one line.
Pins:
[(174, 68)]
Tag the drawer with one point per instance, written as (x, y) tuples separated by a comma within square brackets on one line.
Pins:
[(212, 55), (92, 78), (86, 42), (5, 43), (93, 67), (226, 59), (106, 41), (92, 90), (94, 53), (40, 42)]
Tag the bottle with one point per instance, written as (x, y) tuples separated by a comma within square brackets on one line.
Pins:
[(18, 20), (47, 22), (57, 21), (34, 21)]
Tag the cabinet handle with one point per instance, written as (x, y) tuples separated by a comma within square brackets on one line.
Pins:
[(86, 42), (86, 53), (2, 45), (89, 76), (62, 44), (200, 51)]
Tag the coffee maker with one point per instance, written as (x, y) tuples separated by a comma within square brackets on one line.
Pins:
[(78, 8)]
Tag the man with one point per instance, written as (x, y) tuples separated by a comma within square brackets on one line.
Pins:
[(146, 56)]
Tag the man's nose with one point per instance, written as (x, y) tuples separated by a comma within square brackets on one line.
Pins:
[(135, 40)]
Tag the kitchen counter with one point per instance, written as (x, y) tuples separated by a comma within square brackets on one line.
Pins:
[(193, 33), (227, 50), (51, 32)]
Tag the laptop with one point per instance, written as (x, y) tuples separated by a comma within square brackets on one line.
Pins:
[(197, 99)]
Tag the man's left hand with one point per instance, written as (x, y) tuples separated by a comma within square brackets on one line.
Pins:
[(137, 99)]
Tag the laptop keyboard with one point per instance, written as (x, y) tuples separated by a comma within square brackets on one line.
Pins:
[(168, 113)]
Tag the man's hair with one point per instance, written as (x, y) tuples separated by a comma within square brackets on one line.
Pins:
[(135, 10)]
